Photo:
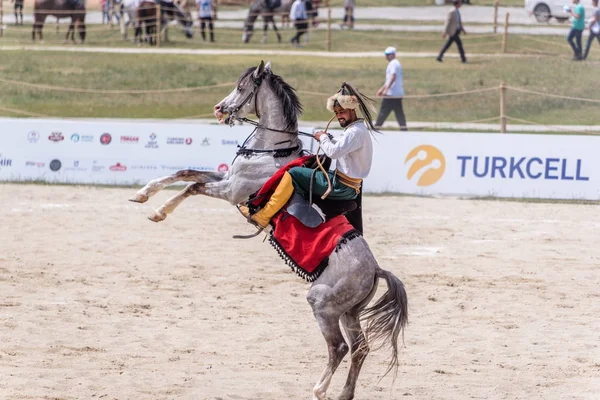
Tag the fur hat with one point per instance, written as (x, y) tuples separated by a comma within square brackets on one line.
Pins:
[(344, 99), (350, 98)]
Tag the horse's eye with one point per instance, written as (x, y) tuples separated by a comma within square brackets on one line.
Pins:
[(239, 88)]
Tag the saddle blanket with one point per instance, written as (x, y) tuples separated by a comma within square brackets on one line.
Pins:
[(306, 250)]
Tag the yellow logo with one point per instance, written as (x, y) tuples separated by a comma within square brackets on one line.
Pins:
[(427, 162)]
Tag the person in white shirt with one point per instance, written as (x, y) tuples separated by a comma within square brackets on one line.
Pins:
[(352, 151), (392, 90), (299, 16), (206, 10)]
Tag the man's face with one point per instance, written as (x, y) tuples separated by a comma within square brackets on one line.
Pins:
[(458, 4), (345, 116)]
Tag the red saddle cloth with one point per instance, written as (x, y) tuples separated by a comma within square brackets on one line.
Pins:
[(306, 250)]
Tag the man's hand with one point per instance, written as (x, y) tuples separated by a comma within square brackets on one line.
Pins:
[(379, 92), (317, 135), (444, 35)]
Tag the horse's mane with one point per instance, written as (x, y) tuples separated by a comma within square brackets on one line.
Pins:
[(292, 107)]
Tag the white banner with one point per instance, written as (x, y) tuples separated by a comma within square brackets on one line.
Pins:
[(484, 164), (116, 153), (478, 164)]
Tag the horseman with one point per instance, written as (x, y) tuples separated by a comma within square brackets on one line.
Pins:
[(353, 152)]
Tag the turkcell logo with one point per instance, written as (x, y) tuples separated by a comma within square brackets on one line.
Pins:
[(426, 165), (522, 168)]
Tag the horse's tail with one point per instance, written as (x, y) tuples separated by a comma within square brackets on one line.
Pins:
[(387, 318)]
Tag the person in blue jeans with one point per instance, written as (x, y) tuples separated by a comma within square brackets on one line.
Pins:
[(594, 29), (578, 25)]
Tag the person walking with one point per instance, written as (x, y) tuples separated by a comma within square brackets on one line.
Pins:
[(577, 27), (453, 28), (393, 90), (348, 22), (206, 11), (299, 16), (18, 11), (594, 28)]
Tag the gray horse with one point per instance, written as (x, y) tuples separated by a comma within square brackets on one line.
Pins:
[(262, 7), (345, 288)]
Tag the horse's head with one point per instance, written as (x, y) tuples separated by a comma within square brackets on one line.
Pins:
[(261, 92), (242, 100)]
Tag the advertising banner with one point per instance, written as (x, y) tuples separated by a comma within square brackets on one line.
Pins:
[(420, 163), (116, 153), (478, 164)]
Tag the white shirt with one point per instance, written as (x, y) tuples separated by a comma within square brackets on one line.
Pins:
[(397, 89), (204, 8), (298, 11), (353, 150)]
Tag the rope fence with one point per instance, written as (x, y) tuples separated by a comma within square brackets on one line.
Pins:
[(503, 115), (498, 42)]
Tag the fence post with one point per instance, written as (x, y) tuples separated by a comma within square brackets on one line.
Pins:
[(158, 15), (329, 29), (505, 37), (496, 16), (1, 18), (502, 108)]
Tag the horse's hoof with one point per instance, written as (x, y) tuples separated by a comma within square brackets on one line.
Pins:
[(157, 217), (139, 198)]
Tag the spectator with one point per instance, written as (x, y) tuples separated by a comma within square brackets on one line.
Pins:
[(452, 30), (298, 15), (18, 11), (348, 14), (578, 25), (594, 28), (206, 11), (104, 8), (116, 10), (393, 90)]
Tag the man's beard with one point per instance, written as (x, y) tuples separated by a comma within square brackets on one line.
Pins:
[(344, 123)]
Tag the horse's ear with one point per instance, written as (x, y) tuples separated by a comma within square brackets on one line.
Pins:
[(258, 72), (268, 66)]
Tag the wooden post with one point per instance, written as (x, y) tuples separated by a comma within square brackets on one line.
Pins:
[(496, 16), (505, 37), (329, 29), (1, 18), (502, 108), (158, 15)]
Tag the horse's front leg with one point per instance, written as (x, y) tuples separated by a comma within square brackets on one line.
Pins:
[(219, 190), (186, 175)]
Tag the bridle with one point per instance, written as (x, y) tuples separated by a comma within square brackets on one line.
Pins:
[(243, 150)]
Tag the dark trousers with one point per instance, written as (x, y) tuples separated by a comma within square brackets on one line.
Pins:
[(207, 21), (349, 16), (589, 43), (452, 39), (574, 40), (301, 28), (387, 105)]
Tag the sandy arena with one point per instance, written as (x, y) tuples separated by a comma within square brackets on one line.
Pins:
[(99, 303)]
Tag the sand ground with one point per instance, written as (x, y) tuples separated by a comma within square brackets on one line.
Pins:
[(99, 303)]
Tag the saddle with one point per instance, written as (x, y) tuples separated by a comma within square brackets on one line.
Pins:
[(314, 211)]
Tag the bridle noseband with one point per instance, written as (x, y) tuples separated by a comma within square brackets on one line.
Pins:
[(254, 92)]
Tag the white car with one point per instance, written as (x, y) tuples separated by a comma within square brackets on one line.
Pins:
[(543, 10)]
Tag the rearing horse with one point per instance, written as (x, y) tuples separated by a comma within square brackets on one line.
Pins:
[(344, 289)]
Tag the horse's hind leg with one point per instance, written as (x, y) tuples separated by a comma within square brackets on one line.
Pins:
[(336, 345), (186, 175), (358, 346)]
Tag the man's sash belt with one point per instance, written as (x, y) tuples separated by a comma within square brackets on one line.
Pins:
[(344, 179)]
